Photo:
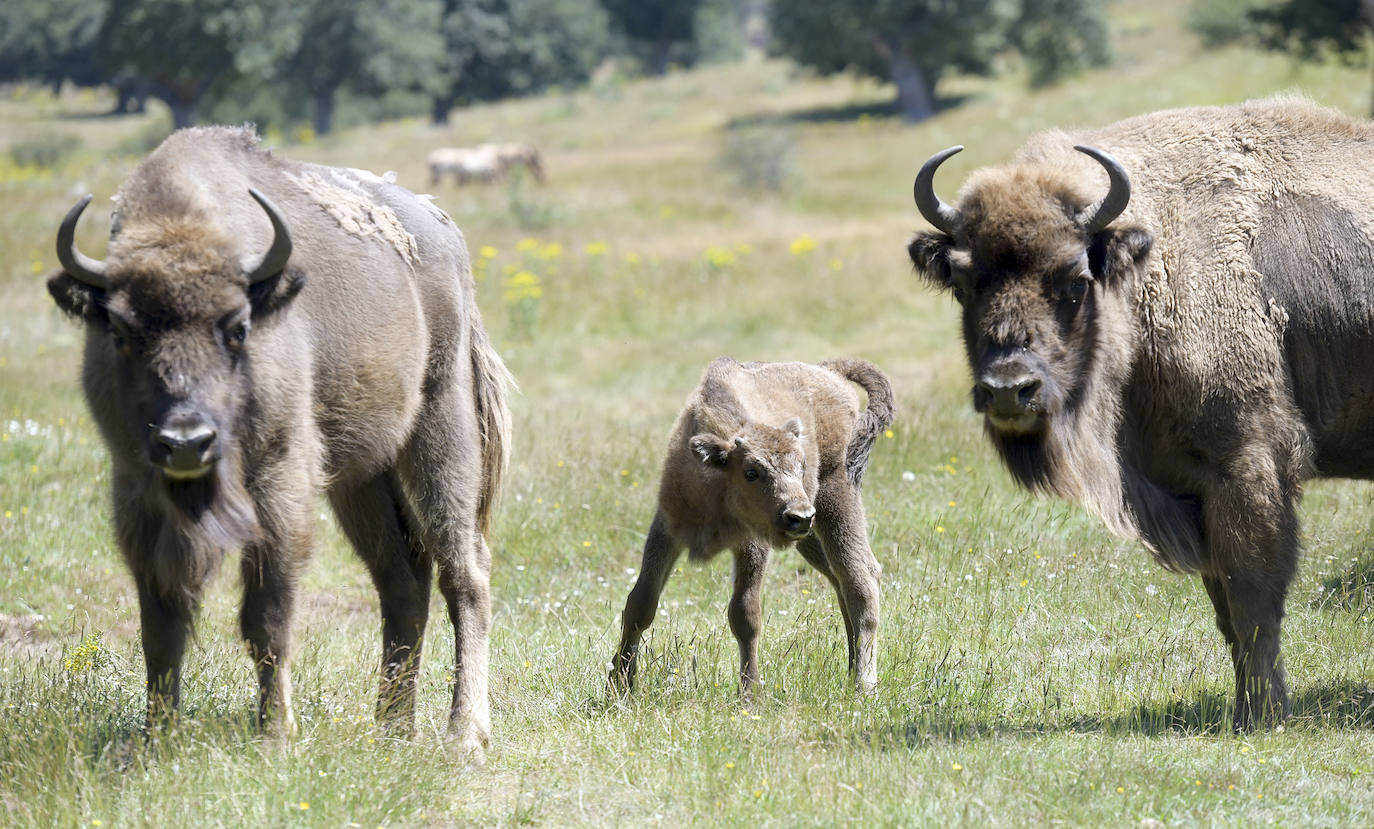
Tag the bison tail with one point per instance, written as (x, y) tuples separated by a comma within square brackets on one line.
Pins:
[(490, 381), (872, 420)]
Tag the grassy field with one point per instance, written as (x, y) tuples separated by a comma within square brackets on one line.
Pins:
[(1033, 668)]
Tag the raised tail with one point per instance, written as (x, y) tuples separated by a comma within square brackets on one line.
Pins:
[(872, 420), (490, 381)]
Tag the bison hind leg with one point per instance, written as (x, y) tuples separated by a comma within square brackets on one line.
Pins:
[(811, 550), (374, 517), (661, 552)]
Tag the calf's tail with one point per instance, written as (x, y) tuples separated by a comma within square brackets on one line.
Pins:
[(490, 382), (872, 420)]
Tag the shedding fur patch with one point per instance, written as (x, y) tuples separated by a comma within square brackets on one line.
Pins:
[(356, 211)]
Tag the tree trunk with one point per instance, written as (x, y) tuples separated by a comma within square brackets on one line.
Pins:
[(439, 110), (324, 109), (915, 96), (661, 51), (183, 112)]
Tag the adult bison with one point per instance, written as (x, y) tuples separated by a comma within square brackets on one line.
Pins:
[(264, 331), (765, 455), (1181, 353)]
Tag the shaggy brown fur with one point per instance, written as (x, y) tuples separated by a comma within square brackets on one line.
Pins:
[(766, 455), (1184, 369), (361, 371)]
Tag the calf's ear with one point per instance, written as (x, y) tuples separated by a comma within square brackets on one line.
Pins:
[(794, 427), (929, 252), (77, 299), (712, 450), (1116, 250)]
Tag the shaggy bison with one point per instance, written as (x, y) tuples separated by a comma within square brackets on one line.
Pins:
[(765, 455), (1179, 347), (264, 331)]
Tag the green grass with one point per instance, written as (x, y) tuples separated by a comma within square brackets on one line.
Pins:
[(1033, 669)]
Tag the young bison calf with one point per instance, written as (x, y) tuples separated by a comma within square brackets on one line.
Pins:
[(765, 455)]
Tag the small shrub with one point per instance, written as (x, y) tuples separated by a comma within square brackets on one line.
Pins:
[(44, 151), (760, 158), (529, 213)]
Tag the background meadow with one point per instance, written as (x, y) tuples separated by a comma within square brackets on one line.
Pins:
[(1033, 668)]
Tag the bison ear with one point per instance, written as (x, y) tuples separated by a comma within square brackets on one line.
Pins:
[(77, 299), (793, 427), (929, 252), (712, 451), (1116, 250), (275, 292)]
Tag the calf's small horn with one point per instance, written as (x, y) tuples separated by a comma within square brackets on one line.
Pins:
[(1097, 216), (80, 266), (935, 211), (273, 261)]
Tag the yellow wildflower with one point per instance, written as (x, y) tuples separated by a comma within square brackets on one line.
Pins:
[(487, 252), (595, 248), (802, 245)]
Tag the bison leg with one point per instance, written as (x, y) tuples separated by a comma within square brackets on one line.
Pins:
[(811, 550), (1252, 535), (660, 554), (844, 537), (373, 517), (746, 616), (269, 597), (441, 471), (166, 625), (1216, 591)]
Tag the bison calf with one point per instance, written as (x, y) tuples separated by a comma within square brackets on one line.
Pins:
[(264, 332), (765, 455)]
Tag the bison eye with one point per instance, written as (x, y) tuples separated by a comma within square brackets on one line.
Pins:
[(751, 474), (237, 334), (1078, 289), (119, 334)]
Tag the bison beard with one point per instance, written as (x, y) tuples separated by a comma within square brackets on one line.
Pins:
[(204, 517)]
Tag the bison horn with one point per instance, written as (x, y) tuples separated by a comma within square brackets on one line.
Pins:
[(80, 266), (935, 211), (273, 261), (1097, 216)]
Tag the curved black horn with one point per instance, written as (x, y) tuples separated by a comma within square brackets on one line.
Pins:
[(273, 261), (935, 211), (1094, 217), (77, 264)]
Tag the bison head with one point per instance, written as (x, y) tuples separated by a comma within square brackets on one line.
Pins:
[(170, 314), (1038, 270), (767, 481)]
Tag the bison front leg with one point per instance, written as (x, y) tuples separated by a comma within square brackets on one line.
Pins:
[(660, 553), (166, 625), (269, 598), (746, 613), (1252, 535)]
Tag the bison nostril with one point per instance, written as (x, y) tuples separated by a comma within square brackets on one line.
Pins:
[(1027, 393), (795, 522), (982, 395), (187, 446)]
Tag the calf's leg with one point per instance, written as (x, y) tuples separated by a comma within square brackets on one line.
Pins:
[(844, 537), (745, 612), (811, 550), (660, 554), (373, 516)]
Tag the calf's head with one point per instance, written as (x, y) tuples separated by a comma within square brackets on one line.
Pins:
[(1034, 266), (765, 476), (171, 310)]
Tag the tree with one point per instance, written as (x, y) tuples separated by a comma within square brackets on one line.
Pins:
[(1057, 37), (501, 48), (50, 41), (369, 47), (187, 50), (658, 23), (1307, 28), (914, 42)]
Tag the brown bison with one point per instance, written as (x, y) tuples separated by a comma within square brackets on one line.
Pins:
[(766, 455), (1181, 347), (264, 331)]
